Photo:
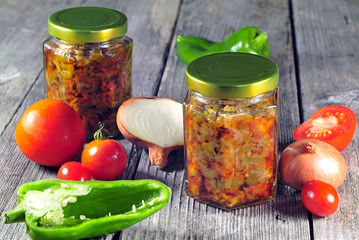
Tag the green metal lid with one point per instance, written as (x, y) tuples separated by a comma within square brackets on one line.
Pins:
[(87, 24), (232, 75)]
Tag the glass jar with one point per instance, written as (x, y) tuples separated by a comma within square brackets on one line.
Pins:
[(231, 129), (88, 63)]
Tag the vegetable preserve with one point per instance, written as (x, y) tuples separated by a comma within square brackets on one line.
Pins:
[(231, 129), (88, 63)]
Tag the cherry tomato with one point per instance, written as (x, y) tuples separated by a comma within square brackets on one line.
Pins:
[(74, 171), (50, 133), (333, 124), (106, 159), (320, 198)]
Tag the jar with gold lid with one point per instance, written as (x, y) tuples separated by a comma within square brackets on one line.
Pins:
[(88, 63), (231, 129)]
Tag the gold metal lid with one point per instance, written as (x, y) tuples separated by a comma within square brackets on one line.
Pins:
[(232, 75), (87, 24)]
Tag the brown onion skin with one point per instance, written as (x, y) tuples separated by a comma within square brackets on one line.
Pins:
[(307, 159), (158, 155)]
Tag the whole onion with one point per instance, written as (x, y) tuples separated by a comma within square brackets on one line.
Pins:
[(310, 159)]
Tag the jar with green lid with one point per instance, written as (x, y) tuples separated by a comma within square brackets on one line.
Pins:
[(231, 129), (88, 63)]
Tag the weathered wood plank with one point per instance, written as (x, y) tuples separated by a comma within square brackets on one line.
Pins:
[(150, 26), (285, 217), (23, 28), (327, 42)]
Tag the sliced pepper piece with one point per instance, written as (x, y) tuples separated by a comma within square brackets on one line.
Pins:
[(248, 40), (58, 209)]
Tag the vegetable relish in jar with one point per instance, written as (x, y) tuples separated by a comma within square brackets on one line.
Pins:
[(88, 62), (231, 129)]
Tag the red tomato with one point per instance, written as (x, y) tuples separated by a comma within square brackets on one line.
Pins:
[(50, 133), (74, 171), (320, 198), (333, 124), (106, 159)]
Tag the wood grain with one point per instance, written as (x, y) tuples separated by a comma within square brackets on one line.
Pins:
[(150, 31), (281, 218), (327, 42), (23, 28), (314, 44)]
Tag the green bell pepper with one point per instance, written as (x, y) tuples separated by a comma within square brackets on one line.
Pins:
[(56, 209), (247, 40)]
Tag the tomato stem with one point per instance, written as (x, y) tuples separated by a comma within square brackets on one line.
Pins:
[(102, 133)]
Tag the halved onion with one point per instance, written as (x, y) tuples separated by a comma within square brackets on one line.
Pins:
[(153, 122)]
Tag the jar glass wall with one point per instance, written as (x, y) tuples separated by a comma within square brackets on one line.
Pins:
[(93, 78), (231, 149), (88, 64), (231, 129)]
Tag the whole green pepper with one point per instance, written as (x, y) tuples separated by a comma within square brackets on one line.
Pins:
[(247, 40), (56, 209)]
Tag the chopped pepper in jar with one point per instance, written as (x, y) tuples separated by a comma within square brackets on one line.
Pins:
[(89, 70), (230, 142)]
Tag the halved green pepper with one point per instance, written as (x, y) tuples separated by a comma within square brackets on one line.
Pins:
[(248, 40), (56, 209)]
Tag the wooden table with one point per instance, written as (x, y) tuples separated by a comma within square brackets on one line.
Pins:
[(315, 44)]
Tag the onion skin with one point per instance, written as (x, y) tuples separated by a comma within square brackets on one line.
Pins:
[(311, 159), (158, 155)]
